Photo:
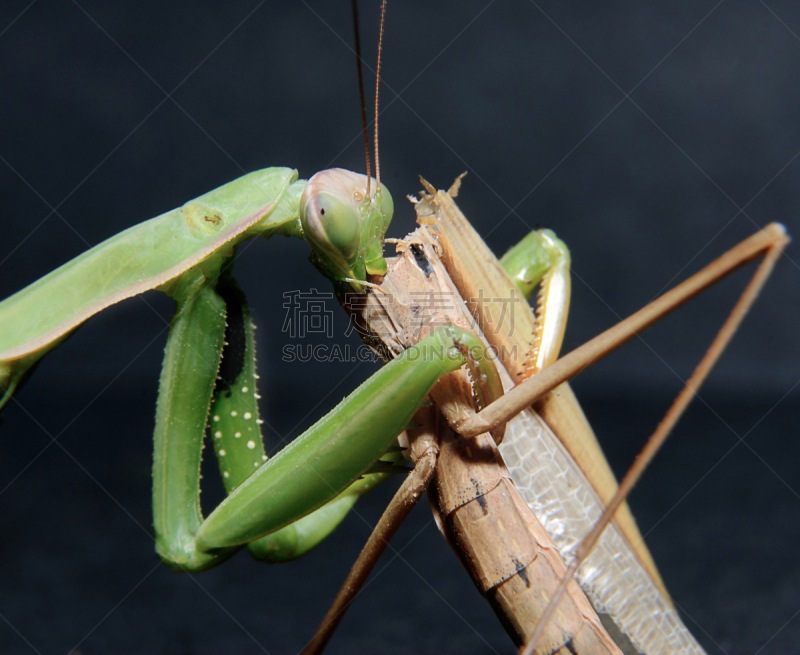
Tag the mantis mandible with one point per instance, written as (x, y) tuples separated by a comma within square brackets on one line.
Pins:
[(192, 172)]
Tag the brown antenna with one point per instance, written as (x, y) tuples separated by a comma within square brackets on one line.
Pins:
[(377, 87), (357, 33)]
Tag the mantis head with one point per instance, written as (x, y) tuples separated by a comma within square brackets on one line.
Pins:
[(345, 226)]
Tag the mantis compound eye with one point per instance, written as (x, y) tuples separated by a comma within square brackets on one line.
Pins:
[(345, 227), (331, 223)]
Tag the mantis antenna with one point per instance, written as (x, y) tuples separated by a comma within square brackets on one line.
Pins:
[(377, 88), (357, 35), (359, 60)]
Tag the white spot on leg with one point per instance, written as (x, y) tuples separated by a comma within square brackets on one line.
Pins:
[(255, 464), (237, 434), (247, 416), (234, 413), (216, 418), (245, 390), (222, 452), (259, 421), (256, 396), (263, 458), (251, 444), (218, 434), (226, 474)]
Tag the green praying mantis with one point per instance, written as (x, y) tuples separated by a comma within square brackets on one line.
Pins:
[(162, 175)]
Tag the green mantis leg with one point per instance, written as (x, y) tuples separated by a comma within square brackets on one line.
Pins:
[(236, 435), (297, 538), (298, 497), (338, 449), (542, 260), (191, 361), (211, 349), (235, 424)]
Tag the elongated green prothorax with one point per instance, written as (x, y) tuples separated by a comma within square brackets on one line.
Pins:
[(345, 226)]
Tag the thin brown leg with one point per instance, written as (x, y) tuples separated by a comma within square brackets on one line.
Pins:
[(770, 242), (777, 240), (424, 451)]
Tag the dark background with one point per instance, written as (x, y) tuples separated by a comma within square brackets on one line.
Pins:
[(651, 137)]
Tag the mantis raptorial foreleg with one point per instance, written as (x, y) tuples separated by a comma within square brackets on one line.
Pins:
[(191, 361), (541, 262), (210, 319), (292, 478)]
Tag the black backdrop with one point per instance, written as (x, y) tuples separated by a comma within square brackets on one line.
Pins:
[(651, 138)]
